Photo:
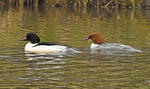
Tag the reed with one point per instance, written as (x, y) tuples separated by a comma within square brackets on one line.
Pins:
[(73, 3)]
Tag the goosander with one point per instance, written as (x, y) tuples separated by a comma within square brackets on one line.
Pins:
[(98, 43), (44, 47)]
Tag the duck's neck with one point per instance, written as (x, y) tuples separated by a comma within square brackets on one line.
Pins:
[(29, 45), (98, 43), (93, 45)]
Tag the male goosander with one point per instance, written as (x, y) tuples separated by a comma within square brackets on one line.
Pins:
[(98, 43), (43, 47)]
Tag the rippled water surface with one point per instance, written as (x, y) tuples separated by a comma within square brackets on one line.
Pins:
[(19, 70)]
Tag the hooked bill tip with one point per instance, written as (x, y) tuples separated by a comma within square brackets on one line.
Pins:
[(24, 39), (86, 39)]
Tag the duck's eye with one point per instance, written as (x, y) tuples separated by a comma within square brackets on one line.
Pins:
[(90, 37)]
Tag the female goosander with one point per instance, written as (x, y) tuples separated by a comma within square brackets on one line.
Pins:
[(98, 43), (43, 47)]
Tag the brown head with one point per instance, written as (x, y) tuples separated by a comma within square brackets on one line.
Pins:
[(96, 37)]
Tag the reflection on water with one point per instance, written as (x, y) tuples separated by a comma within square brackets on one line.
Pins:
[(69, 27), (68, 52)]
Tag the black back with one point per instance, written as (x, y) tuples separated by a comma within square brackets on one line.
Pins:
[(46, 43)]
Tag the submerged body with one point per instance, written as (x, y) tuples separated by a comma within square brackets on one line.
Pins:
[(115, 47), (99, 44), (44, 47)]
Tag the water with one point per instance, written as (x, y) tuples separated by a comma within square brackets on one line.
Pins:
[(19, 70)]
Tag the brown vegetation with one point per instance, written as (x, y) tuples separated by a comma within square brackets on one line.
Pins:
[(73, 3)]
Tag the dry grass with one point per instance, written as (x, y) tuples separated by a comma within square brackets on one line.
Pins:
[(73, 3)]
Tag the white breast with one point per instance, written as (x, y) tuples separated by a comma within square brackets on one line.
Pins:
[(44, 48)]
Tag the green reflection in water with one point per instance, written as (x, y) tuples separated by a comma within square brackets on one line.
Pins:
[(69, 27)]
